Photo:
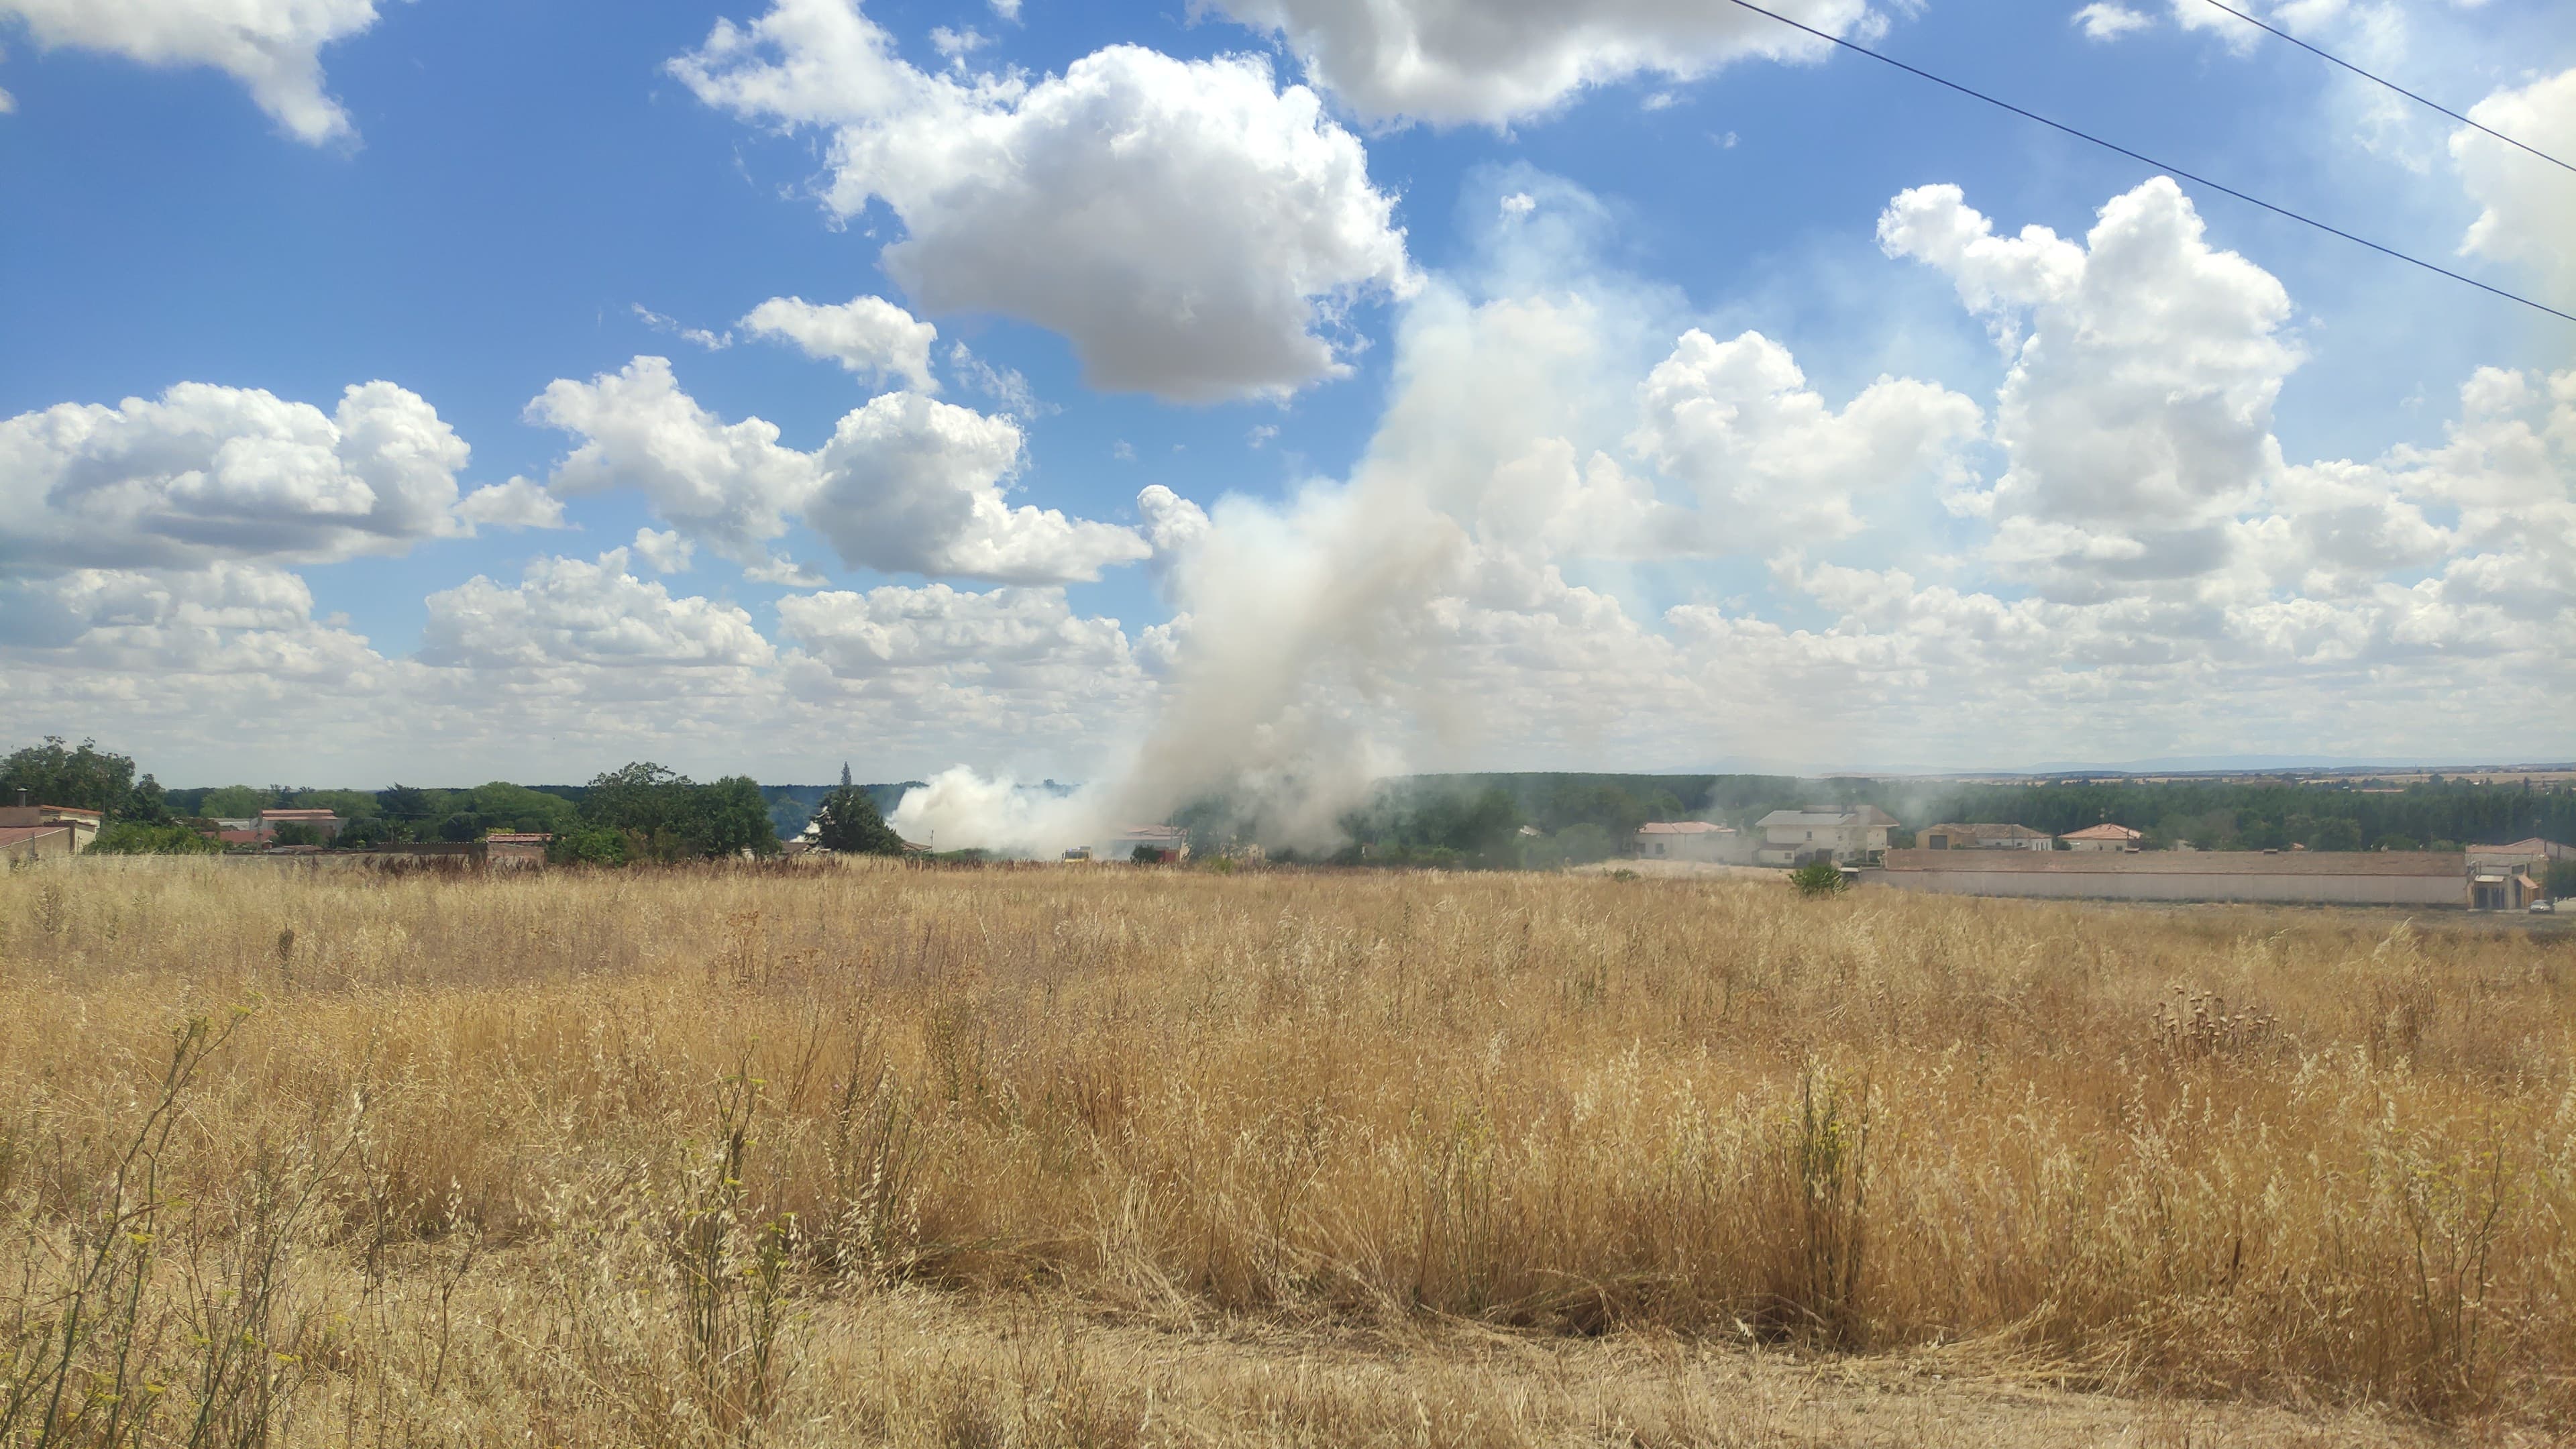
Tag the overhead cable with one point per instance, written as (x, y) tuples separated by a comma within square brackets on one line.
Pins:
[(2392, 85), (2087, 136)]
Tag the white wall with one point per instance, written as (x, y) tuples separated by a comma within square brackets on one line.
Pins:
[(2350, 890)]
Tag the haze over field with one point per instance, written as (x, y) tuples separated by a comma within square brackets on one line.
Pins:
[(1263, 397)]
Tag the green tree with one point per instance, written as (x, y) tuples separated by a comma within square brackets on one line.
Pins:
[(296, 832), (665, 815), (407, 803), (82, 778), (847, 823), (2560, 884)]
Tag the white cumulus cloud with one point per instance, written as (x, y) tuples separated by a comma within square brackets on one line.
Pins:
[(870, 336), (2528, 207), (910, 484), (1494, 61), (1737, 422), (730, 486), (2144, 364), (564, 611), (906, 484), (1192, 228), (206, 472), (273, 47)]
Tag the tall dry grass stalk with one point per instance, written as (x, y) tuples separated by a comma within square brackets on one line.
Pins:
[(289, 1157)]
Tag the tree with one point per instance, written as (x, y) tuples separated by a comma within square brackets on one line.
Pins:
[(665, 815), (2561, 881), (296, 832), (235, 802), (85, 778), (847, 823), (406, 803)]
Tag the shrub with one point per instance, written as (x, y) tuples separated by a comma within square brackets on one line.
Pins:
[(1818, 878), (129, 837), (596, 845)]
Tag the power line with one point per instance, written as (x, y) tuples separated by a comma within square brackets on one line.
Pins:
[(2158, 165), (2392, 85)]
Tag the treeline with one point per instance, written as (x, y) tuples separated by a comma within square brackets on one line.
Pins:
[(2220, 815), (1540, 820), (398, 814), (641, 812)]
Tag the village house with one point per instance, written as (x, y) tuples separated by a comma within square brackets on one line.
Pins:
[(2105, 836), (1688, 840), (29, 832), (323, 822), (1823, 832), (1986, 837)]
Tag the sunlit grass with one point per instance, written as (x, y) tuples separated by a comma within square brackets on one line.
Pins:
[(621, 1158)]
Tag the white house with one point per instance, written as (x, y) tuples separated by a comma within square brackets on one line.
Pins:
[(1792, 837), (1688, 840), (2103, 837)]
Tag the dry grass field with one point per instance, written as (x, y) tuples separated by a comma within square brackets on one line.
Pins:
[(1105, 1156)]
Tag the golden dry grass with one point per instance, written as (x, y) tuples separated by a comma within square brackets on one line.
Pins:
[(1108, 1156)]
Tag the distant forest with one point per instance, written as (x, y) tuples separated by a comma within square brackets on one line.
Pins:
[(1526, 819), (1477, 819)]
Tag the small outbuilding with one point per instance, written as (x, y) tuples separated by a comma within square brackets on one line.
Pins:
[(1153, 844), (1986, 837), (1698, 840)]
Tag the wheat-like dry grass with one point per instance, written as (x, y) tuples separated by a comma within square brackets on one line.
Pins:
[(853, 1154)]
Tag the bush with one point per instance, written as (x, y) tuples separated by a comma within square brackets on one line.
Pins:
[(1819, 878), (295, 832), (127, 837), (597, 845)]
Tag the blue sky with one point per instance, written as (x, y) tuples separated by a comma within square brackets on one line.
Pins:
[(507, 191)]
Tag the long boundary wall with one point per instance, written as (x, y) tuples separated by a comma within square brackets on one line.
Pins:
[(2371, 880)]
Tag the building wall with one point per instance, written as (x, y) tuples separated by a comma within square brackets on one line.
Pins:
[(1715, 847), (53, 844), (2318, 889)]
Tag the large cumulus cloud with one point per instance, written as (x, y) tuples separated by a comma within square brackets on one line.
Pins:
[(206, 472), (1191, 227)]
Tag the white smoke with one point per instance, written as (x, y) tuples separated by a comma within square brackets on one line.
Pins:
[(1316, 638), (960, 809)]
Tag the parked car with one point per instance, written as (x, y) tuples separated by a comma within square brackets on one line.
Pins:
[(2542, 908)]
